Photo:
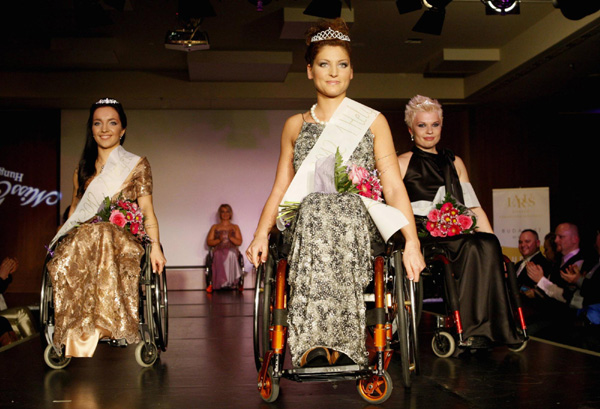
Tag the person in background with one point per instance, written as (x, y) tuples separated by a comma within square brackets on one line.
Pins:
[(225, 237)]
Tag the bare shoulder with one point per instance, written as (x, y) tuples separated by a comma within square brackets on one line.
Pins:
[(292, 127), (380, 124), (461, 169)]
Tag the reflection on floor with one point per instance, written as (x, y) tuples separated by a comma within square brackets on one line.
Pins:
[(210, 364)]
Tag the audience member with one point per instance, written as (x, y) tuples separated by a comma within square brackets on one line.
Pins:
[(529, 247), (15, 323), (550, 247)]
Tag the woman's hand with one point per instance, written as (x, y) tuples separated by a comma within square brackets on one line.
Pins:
[(157, 259), (413, 261), (258, 251)]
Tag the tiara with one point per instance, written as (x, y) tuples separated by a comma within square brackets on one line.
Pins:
[(329, 34), (426, 102), (108, 101)]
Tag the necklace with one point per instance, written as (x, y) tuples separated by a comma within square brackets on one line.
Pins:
[(314, 116)]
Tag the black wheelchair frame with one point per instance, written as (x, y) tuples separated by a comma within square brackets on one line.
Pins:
[(395, 300), (153, 312), (448, 334)]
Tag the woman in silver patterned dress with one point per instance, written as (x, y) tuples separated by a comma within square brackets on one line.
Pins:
[(330, 260)]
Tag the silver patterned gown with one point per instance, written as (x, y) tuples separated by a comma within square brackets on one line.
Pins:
[(330, 262)]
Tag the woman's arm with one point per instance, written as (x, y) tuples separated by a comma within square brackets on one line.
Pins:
[(257, 250), (211, 239), (395, 194), (157, 258), (236, 237), (483, 223)]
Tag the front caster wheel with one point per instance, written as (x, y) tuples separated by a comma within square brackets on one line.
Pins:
[(269, 390), (53, 360), (443, 344), (146, 354), (375, 389)]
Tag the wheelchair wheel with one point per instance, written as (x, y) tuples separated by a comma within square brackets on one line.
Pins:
[(443, 344), (270, 388), (263, 295), (375, 389), (46, 305), (53, 360), (160, 309), (146, 354), (518, 348), (407, 309)]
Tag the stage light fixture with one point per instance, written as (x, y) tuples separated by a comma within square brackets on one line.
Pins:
[(324, 8), (406, 6), (432, 20), (576, 9), (502, 7)]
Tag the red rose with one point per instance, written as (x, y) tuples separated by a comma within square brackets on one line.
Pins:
[(116, 217)]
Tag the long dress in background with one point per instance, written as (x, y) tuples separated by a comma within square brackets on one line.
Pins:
[(330, 262), (95, 277), (226, 266), (476, 259)]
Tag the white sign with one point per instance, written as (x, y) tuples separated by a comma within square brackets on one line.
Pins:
[(518, 209)]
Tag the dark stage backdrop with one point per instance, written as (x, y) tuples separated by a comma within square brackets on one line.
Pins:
[(29, 186)]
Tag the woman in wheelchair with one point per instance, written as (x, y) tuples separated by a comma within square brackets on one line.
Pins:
[(225, 237), (331, 234), (95, 267), (476, 259)]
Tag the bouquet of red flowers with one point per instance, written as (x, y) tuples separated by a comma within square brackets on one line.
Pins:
[(125, 214), (450, 218)]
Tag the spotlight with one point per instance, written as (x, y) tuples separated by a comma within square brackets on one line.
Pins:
[(576, 9), (432, 20), (502, 7), (324, 8), (406, 6)]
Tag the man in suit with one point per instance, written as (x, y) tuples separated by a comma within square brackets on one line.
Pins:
[(529, 247), (556, 309)]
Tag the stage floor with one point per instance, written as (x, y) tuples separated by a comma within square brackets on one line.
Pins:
[(210, 364)]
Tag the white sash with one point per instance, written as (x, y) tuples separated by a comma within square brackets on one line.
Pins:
[(348, 125), (118, 166)]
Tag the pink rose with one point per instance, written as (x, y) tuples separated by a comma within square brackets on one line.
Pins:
[(437, 233), (116, 217), (434, 215), (134, 228), (465, 222), (357, 174), (446, 207)]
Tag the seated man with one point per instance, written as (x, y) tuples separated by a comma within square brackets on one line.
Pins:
[(8, 266)]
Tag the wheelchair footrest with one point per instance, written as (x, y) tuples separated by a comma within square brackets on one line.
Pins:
[(328, 373)]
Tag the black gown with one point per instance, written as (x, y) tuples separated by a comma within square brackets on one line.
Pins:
[(476, 259)]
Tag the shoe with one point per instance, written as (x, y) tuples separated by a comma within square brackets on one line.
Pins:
[(340, 359), (209, 289), (315, 357)]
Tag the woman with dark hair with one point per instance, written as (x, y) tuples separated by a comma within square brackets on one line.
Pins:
[(429, 173), (225, 237), (95, 268), (331, 236)]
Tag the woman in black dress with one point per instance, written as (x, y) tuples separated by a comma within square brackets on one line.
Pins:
[(476, 259)]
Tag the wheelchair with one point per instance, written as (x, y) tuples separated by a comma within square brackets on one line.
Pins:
[(153, 318), (392, 320), (449, 332), (209, 271)]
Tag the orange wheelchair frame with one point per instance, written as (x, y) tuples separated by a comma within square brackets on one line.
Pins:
[(393, 299)]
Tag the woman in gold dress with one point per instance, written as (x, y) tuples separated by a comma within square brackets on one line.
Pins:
[(96, 265)]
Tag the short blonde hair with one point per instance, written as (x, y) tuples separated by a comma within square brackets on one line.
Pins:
[(420, 103)]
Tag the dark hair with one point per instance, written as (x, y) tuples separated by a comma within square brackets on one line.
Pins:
[(313, 48), (87, 163), (550, 237), (535, 233)]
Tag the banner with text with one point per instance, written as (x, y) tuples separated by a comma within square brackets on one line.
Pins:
[(518, 209)]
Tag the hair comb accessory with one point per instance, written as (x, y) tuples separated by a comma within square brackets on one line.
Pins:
[(329, 34), (109, 101)]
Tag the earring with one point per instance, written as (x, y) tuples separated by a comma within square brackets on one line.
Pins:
[(412, 137)]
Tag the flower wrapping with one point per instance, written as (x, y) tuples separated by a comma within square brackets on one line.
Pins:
[(449, 218)]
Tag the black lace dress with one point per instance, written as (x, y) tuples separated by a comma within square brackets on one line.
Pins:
[(476, 258), (330, 262)]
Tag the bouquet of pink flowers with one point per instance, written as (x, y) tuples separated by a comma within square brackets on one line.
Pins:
[(125, 214), (352, 179), (450, 218), (356, 179)]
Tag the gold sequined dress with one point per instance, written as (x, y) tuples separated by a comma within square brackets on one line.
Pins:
[(95, 273)]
